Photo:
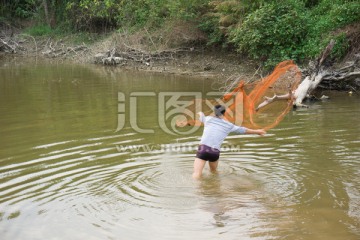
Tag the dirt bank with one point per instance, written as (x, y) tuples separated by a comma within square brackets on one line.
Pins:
[(178, 49), (202, 62)]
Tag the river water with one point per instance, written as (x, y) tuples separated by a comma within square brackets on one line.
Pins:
[(86, 153)]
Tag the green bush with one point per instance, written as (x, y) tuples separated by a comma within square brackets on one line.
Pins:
[(325, 18), (20, 8), (185, 9), (266, 30), (39, 30), (209, 25), (341, 46), (221, 16), (272, 33), (90, 14)]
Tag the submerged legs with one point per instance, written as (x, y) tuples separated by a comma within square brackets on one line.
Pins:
[(199, 165)]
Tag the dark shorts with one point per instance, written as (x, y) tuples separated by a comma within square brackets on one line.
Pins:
[(207, 153)]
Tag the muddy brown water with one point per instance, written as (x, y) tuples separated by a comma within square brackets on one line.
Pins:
[(89, 153)]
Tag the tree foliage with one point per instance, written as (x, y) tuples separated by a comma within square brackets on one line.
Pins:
[(18, 8), (90, 14), (266, 30), (222, 16), (325, 18), (272, 33)]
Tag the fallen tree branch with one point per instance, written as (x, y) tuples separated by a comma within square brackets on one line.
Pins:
[(136, 55), (54, 52), (8, 46), (305, 87), (268, 100), (313, 80), (342, 77), (316, 76), (35, 43)]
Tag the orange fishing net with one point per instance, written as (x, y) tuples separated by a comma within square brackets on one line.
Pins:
[(263, 107)]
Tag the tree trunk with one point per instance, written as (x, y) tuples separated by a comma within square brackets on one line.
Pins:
[(46, 10), (318, 74), (307, 86), (310, 83)]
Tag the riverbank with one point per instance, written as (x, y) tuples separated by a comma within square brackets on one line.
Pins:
[(181, 49), (199, 62)]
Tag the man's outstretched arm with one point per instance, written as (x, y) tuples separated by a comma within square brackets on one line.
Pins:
[(260, 132)]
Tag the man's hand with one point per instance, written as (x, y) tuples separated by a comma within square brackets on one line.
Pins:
[(181, 123), (261, 132)]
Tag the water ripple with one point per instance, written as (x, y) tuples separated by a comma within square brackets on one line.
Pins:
[(263, 178)]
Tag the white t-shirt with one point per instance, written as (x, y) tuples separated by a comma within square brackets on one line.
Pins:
[(216, 130)]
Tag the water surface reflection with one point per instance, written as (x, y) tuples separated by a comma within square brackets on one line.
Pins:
[(63, 175)]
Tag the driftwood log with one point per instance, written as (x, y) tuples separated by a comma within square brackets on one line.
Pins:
[(344, 78), (21, 44), (109, 57), (59, 49), (320, 75), (8, 45), (316, 75), (114, 57)]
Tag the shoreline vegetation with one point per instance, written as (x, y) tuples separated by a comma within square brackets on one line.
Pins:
[(182, 52), (221, 39)]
